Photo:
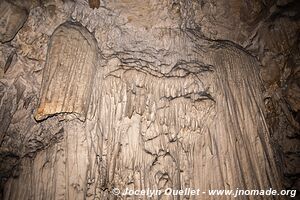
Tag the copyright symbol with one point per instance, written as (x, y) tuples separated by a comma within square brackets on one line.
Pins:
[(115, 191)]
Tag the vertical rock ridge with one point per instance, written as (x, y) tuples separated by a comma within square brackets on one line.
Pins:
[(164, 107), (68, 73)]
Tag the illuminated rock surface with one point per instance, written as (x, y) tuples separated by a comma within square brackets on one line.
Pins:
[(149, 94)]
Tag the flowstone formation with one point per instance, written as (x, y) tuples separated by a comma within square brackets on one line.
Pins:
[(68, 73), (97, 95)]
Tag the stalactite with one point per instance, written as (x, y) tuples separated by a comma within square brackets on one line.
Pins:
[(69, 72)]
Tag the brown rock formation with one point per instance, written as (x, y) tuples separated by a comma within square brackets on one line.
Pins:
[(12, 19), (149, 94), (68, 73)]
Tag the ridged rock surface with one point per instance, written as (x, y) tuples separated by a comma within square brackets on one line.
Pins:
[(12, 18), (96, 95), (68, 73)]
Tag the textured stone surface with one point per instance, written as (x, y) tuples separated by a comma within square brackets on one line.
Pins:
[(148, 128), (176, 99), (94, 3), (69, 72), (12, 19)]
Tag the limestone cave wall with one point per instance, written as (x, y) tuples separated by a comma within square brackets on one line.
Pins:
[(98, 94)]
